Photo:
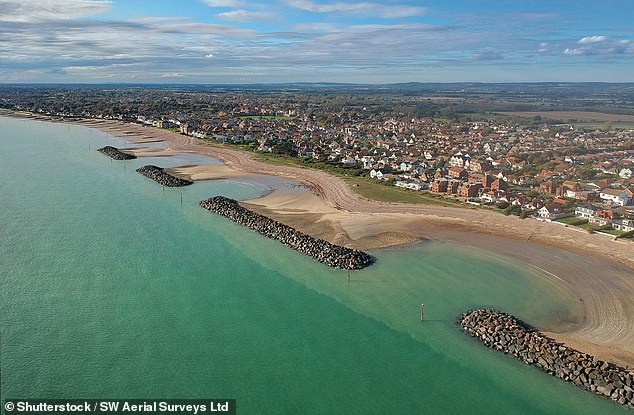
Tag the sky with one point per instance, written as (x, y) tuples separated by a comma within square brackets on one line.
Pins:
[(278, 41)]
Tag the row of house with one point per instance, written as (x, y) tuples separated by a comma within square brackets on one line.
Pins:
[(621, 219)]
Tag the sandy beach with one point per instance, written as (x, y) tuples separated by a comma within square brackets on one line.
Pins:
[(599, 270)]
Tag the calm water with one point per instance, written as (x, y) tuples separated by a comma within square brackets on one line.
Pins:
[(111, 288)]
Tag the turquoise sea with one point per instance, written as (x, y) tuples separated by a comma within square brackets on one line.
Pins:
[(113, 288)]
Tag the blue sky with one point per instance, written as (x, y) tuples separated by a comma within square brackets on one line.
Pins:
[(246, 41)]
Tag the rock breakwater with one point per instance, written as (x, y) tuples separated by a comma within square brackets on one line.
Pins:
[(323, 251), (115, 154), (504, 332), (157, 174)]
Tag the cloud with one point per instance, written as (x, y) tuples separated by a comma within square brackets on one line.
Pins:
[(575, 51), (62, 41), (601, 45), (592, 39), (315, 27), (487, 55), (174, 19), (358, 8), (224, 3), (245, 16), (205, 29), (41, 10)]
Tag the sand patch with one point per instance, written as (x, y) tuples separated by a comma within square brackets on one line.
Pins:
[(205, 172), (149, 151)]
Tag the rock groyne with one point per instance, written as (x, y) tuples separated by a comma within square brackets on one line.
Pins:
[(115, 154), (323, 251), (504, 332), (157, 174)]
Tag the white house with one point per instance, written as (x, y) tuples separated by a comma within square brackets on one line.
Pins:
[(405, 166), (626, 173), (550, 212), (586, 212), (619, 197), (415, 185), (376, 174), (625, 225)]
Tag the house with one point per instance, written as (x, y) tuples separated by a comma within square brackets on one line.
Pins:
[(626, 173), (603, 217), (470, 189), (551, 211), (488, 181), (413, 185), (453, 186), (549, 186), (619, 197), (489, 197), (460, 160), (439, 186), (625, 225), (475, 178), (377, 174), (499, 184), (479, 166), (405, 166), (457, 173), (586, 212)]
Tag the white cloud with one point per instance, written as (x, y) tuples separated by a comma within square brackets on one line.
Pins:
[(487, 55), (543, 47), (592, 39), (246, 16), (574, 52), (205, 29), (360, 8), (224, 3), (172, 75), (315, 27), (601, 45), (41, 10)]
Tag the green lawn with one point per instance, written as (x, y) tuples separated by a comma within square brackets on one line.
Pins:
[(573, 220), (613, 232), (590, 227)]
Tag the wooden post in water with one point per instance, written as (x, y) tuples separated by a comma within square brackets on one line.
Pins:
[(181, 198), (422, 312)]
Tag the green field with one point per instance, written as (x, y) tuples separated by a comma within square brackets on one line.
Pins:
[(574, 221), (591, 227), (613, 232)]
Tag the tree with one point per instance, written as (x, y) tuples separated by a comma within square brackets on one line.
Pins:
[(285, 147)]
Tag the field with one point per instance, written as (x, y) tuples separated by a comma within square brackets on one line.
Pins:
[(586, 119), (574, 221)]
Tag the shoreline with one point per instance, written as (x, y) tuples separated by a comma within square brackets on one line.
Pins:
[(598, 270)]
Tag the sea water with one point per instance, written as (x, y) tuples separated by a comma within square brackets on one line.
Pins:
[(114, 287)]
